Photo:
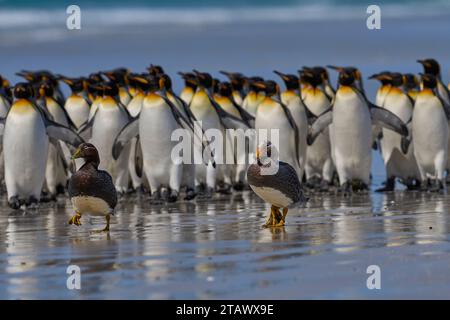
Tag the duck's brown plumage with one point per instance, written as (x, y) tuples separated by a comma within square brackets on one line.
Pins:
[(88, 181), (285, 180)]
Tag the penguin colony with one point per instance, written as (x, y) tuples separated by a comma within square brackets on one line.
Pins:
[(122, 122)]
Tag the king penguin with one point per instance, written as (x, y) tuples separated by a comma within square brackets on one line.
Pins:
[(190, 86), (351, 117), (109, 119), (399, 163), (77, 104), (119, 77), (319, 163), (157, 122), (430, 132), (254, 96), (58, 152), (26, 131), (291, 98), (273, 114), (431, 66)]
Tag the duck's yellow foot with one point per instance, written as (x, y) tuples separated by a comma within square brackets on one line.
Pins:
[(75, 219), (274, 217), (279, 224)]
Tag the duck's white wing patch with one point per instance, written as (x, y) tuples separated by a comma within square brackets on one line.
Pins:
[(272, 196)]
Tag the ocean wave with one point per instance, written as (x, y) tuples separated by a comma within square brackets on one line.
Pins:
[(110, 17)]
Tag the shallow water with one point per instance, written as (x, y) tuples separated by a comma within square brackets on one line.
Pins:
[(218, 249)]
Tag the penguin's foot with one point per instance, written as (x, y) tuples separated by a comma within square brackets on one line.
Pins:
[(190, 194), (76, 219), (225, 188), (346, 189), (14, 202), (239, 186), (32, 202), (437, 186), (313, 182), (47, 197), (155, 198), (324, 186), (173, 196), (389, 186), (201, 188)]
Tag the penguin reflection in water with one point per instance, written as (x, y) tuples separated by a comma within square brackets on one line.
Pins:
[(276, 182), (91, 191)]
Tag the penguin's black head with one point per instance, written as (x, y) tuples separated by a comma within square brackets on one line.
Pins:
[(346, 78), (251, 81), (88, 152), (23, 90), (290, 80), (77, 85), (270, 87), (397, 79), (224, 89), (165, 82), (310, 76), (236, 79), (410, 81), (383, 77), (323, 73), (190, 79), (215, 87), (155, 70), (117, 75), (95, 77), (204, 79), (430, 66), (429, 80), (46, 89), (110, 89)]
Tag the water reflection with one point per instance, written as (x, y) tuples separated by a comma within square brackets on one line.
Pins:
[(209, 248)]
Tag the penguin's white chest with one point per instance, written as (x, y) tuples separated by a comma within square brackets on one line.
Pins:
[(78, 110), (156, 127), (430, 129), (25, 143)]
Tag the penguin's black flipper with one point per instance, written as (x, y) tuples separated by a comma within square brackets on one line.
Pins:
[(388, 120), (63, 133), (188, 125), (311, 117), (404, 144), (245, 115), (294, 127), (445, 105), (138, 158), (85, 130), (227, 120), (2, 125), (128, 132), (322, 122)]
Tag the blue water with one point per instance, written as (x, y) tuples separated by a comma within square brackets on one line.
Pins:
[(203, 3)]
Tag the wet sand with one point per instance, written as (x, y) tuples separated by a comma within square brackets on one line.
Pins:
[(217, 249)]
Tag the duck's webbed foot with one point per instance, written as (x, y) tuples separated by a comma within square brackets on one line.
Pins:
[(276, 219), (76, 219)]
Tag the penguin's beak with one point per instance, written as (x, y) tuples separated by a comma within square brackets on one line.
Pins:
[(260, 85), (76, 154)]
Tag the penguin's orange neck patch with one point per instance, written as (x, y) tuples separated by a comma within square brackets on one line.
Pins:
[(426, 92), (21, 106), (345, 90), (109, 102)]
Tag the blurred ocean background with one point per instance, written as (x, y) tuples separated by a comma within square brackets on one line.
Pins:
[(251, 36)]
